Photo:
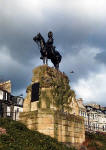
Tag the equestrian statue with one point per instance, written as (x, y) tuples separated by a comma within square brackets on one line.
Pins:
[(47, 49)]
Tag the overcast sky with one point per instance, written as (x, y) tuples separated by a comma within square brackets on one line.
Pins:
[(79, 28)]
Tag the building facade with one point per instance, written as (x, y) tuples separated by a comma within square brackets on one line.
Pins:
[(4, 102), (10, 105), (94, 116), (17, 106)]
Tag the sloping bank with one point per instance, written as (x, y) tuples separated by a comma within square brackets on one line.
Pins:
[(18, 137)]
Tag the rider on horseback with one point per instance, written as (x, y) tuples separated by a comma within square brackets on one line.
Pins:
[(47, 49), (49, 43)]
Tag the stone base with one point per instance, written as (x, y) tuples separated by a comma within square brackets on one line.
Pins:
[(64, 127)]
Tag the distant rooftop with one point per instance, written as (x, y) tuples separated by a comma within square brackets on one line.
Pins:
[(6, 85)]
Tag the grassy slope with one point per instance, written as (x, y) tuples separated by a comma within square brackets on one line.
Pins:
[(18, 137), (95, 141)]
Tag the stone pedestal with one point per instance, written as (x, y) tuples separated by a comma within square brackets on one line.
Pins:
[(64, 127), (48, 106)]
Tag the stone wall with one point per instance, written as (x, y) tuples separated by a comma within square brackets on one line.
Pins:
[(64, 127)]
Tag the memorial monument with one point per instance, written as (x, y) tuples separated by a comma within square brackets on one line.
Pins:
[(47, 49), (48, 106)]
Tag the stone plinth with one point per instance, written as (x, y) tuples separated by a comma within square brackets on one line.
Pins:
[(54, 111), (64, 127)]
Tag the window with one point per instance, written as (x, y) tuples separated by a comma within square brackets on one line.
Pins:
[(1, 95), (103, 128), (8, 111), (96, 126), (20, 101), (17, 110), (81, 113), (6, 96)]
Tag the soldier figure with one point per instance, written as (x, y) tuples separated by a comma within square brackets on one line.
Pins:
[(49, 43)]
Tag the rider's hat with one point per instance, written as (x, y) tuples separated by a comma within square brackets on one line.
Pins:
[(50, 34)]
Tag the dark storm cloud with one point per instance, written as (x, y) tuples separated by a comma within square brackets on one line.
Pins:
[(20, 43), (79, 35), (102, 57)]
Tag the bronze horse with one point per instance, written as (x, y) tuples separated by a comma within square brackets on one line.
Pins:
[(53, 54)]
